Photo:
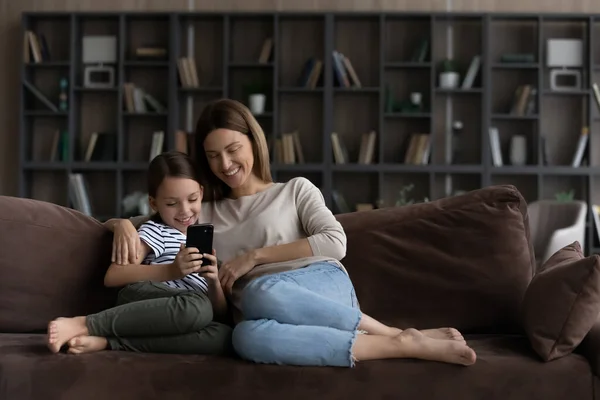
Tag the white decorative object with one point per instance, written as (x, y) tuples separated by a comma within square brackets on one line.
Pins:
[(99, 50), (416, 98), (257, 103), (449, 80), (564, 54), (518, 150)]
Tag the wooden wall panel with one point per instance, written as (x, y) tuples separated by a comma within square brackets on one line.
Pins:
[(10, 17)]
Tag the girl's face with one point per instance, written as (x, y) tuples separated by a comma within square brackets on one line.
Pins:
[(230, 156), (178, 201)]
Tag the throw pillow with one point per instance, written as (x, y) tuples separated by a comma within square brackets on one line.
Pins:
[(562, 302)]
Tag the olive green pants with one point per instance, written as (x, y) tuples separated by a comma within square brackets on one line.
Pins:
[(154, 318)]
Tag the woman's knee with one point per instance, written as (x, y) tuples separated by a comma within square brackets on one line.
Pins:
[(246, 339), (257, 296)]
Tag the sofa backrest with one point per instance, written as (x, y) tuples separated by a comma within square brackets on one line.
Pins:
[(461, 261), (52, 264)]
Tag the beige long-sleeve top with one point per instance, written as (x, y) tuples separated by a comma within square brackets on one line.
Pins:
[(283, 213)]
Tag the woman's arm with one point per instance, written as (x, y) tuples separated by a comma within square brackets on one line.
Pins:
[(326, 236), (126, 241), (121, 275)]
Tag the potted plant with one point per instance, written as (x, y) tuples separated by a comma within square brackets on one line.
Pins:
[(449, 76)]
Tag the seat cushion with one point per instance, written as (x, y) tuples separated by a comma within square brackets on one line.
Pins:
[(506, 369), (562, 302), (462, 261)]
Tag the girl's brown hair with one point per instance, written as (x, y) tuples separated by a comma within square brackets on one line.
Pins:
[(233, 115), (169, 164)]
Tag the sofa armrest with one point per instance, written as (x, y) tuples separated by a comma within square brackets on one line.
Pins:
[(590, 348)]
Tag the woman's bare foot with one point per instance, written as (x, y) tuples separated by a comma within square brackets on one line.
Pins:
[(87, 344), (444, 333), (61, 330), (412, 343)]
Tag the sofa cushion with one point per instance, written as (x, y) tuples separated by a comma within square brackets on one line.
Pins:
[(53, 262), (506, 369), (562, 302), (462, 261)]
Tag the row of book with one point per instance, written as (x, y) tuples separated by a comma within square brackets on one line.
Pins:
[(188, 72), (366, 152), (35, 48), (137, 100), (343, 71)]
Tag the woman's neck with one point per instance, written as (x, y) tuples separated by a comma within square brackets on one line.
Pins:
[(252, 186)]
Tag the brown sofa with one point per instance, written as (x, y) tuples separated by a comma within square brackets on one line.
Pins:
[(464, 262)]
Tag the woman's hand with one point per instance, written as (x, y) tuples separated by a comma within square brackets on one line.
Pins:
[(188, 260), (126, 243), (232, 270)]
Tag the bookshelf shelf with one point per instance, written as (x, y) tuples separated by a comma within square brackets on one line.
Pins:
[(524, 66), (321, 72), (515, 117), (407, 65)]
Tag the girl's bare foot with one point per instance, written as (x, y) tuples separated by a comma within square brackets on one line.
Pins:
[(87, 344), (412, 343), (444, 333), (61, 330)]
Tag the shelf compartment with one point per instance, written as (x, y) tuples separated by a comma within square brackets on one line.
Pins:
[(393, 183), (397, 135), (345, 186), (300, 40), (556, 184), (527, 185), (305, 116), (358, 39), (248, 35), (407, 42), (512, 38), (446, 185), (354, 116), (49, 186)]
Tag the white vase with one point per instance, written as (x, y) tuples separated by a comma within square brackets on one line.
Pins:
[(518, 150), (449, 80), (257, 103)]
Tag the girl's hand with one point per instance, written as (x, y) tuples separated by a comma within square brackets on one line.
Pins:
[(126, 243), (210, 272), (232, 270), (188, 260)]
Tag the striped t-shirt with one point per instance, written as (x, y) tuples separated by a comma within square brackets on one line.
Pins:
[(165, 243)]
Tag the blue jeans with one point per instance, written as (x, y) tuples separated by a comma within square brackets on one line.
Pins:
[(307, 316)]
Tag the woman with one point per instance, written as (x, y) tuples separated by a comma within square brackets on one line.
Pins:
[(293, 300)]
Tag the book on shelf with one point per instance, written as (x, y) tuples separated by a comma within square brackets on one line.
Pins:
[(137, 100), (287, 149), (311, 73), (581, 145), (79, 194), (367, 148), (420, 52), (596, 92), (151, 52), (596, 214), (495, 147), (188, 72), (340, 152), (419, 149), (472, 72), (266, 51), (343, 71), (40, 96), (523, 102), (59, 151), (35, 48), (158, 140), (102, 146)]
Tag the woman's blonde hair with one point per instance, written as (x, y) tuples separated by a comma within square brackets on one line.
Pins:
[(233, 115)]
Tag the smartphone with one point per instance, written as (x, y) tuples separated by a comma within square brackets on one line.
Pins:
[(200, 236)]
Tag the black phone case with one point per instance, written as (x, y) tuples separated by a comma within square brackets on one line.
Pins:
[(200, 236)]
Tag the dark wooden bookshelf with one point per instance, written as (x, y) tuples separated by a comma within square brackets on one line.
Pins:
[(225, 47)]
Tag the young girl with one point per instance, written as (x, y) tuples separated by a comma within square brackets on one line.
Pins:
[(169, 299)]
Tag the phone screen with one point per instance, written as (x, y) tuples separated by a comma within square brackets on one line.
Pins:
[(200, 236)]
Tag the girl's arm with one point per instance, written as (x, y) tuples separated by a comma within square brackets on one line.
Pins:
[(218, 300)]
